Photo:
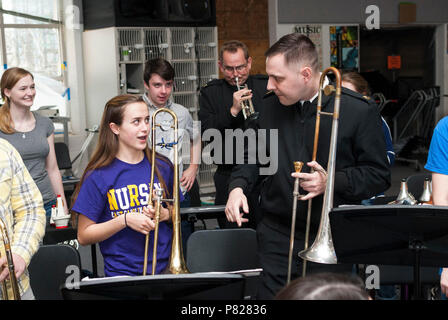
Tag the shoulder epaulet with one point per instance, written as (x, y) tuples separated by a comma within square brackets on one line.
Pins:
[(357, 95), (213, 82)]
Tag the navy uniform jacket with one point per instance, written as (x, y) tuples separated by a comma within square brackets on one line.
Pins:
[(362, 168), (215, 101)]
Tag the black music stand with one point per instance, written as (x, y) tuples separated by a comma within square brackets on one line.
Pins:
[(392, 235), (201, 213), (198, 286)]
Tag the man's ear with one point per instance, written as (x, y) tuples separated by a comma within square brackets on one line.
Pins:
[(221, 67), (146, 86), (115, 129), (306, 73), (249, 62)]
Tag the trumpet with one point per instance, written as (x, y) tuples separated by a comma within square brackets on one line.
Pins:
[(246, 106), (322, 250), (177, 263), (12, 274)]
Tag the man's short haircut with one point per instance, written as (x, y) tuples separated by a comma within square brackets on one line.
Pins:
[(296, 48), (233, 46), (160, 67)]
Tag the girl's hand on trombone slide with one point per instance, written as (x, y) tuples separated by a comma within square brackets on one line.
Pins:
[(150, 212), (140, 222)]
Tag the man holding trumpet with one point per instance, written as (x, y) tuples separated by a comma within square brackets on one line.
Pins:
[(361, 165), (221, 102)]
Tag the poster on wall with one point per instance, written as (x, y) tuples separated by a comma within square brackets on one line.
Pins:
[(314, 32), (344, 47)]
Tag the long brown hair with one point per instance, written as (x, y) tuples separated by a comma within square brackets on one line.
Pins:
[(107, 146), (358, 81), (9, 79)]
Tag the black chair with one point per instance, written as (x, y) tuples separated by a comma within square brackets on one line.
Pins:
[(62, 155), (404, 276), (48, 270), (69, 180), (225, 250), (222, 250), (415, 183)]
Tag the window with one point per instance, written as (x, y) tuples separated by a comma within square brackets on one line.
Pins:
[(31, 34)]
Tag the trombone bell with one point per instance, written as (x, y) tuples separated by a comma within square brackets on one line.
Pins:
[(322, 250)]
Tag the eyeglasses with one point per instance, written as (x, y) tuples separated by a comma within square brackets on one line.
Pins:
[(237, 68)]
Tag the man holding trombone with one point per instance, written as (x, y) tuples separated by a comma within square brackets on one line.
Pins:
[(361, 168)]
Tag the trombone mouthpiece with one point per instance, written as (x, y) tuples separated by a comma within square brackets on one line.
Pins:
[(298, 166)]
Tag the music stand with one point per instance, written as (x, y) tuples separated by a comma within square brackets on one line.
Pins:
[(392, 235), (199, 286), (201, 213)]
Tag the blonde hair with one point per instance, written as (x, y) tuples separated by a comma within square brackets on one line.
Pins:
[(9, 79)]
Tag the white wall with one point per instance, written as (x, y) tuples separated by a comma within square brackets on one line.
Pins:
[(101, 71), (73, 30), (75, 65)]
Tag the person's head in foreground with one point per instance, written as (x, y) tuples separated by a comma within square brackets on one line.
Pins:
[(324, 286)]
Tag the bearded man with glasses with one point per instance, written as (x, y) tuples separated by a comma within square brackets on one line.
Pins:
[(220, 109)]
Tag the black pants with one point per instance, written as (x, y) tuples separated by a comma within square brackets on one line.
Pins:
[(273, 252), (222, 180)]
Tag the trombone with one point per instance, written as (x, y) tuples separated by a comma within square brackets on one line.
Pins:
[(322, 250), (177, 263), (10, 262)]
